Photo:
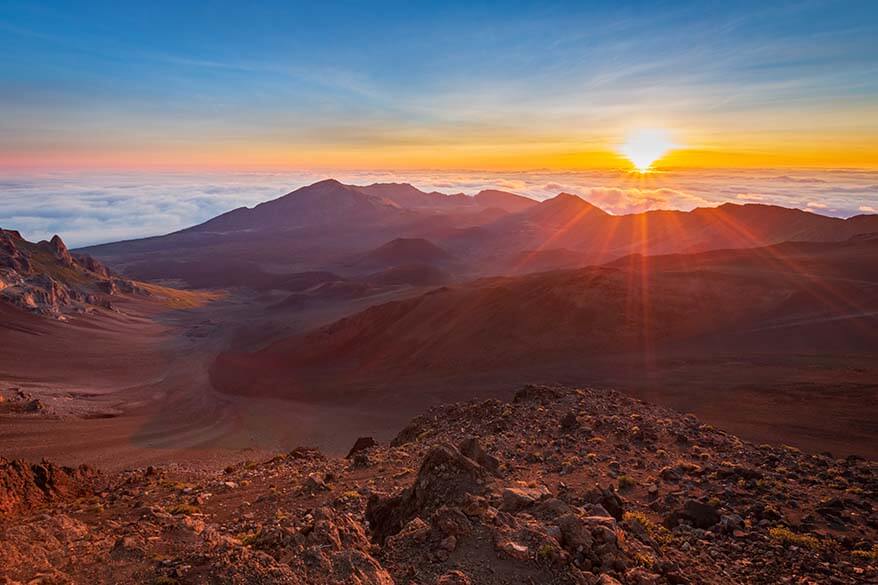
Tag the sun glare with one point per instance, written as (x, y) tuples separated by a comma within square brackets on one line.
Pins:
[(645, 146)]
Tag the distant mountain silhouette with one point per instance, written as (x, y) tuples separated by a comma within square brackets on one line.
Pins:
[(566, 222), (409, 197), (324, 203), (322, 226)]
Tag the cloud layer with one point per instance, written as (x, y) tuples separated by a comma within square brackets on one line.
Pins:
[(93, 208)]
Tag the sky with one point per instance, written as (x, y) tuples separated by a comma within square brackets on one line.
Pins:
[(442, 85), (127, 119)]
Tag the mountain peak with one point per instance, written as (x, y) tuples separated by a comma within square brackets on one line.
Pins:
[(326, 183), (569, 200), (565, 196)]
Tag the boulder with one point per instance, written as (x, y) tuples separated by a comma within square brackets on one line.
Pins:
[(410, 433), (445, 478), (355, 566), (361, 444), (699, 514), (314, 483), (471, 448), (518, 498)]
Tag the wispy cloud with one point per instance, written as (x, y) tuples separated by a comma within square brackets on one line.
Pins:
[(267, 82)]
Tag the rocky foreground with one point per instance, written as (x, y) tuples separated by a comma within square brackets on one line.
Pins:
[(560, 486)]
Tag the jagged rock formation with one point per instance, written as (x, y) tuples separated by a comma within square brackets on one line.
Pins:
[(47, 279), (26, 487), (485, 492)]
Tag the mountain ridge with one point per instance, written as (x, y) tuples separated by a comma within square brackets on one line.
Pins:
[(313, 226)]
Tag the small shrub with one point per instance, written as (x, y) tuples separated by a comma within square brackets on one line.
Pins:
[(657, 532), (867, 555), (183, 508), (547, 552), (626, 482), (788, 537)]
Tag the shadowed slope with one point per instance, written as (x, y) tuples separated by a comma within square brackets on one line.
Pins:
[(639, 304)]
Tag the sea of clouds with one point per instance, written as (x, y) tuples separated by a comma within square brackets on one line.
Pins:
[(90, 208)]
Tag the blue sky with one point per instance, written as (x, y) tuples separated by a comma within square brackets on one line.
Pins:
[(172, 112), (378, 84)]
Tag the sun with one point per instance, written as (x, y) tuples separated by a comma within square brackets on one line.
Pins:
[(644, 146)]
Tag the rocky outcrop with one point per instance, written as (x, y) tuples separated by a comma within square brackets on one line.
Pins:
[(25, 487), (446, 477), (92, 265), (698, 514), (60, 251), (361, 445), (485, 492), (11, 258), (45, 278), (330, 547)]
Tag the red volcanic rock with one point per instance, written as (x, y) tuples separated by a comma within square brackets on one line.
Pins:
[(697, 513), (47, 279), (471, 448), (813, 516), (89, 263), (360, 445), (62, 254), (24, 486), (446, 477)]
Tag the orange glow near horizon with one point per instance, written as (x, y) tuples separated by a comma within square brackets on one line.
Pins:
[(642, 152)]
